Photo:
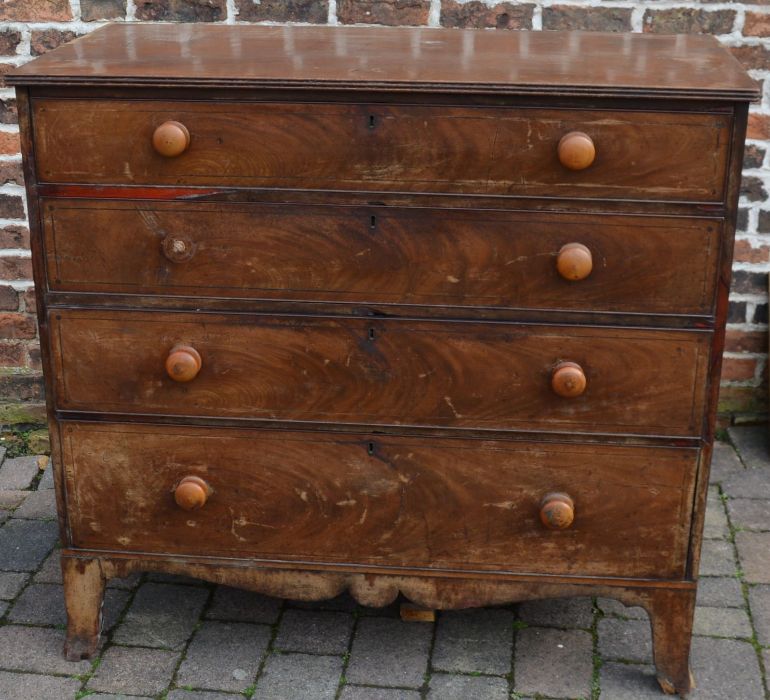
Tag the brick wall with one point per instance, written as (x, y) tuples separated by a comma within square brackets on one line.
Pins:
[(31, 27)]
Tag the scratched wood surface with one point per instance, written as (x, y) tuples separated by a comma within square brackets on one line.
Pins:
[(503, 151), (382, 254), (382, 372), (393, 501), (374, 59), (441, 515)]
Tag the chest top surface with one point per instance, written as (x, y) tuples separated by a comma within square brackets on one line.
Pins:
[(413, 59)]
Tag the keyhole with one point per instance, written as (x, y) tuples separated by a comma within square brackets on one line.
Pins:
[(370, 448), (371, 121), (371, 334), (373, 222)]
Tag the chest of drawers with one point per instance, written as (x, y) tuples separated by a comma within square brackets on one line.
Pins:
[(412, 311)]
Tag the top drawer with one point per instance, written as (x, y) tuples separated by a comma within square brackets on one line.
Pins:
[(408, 148)]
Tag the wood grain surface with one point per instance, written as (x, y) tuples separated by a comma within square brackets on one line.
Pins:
[(641, 264), (382, 372), (381, 59), (390, 486), (391, 501), (477, 150)]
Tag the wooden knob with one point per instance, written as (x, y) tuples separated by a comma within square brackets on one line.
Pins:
[(576, 150), (171, 139), (557, 511), (568, 379), (178, 249), (183, 363), (191, 493), (574, 262)]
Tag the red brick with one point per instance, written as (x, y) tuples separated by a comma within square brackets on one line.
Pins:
[(745, 341), (759, 126), (753, 188), (4, 69), (48, 39), (688, 20), (11, 171), (13, 268), (738, 369), (390, 12), (9, 41), (756, 24), (313, 11), (757, 56), (91, 10), (9, 143), (742, 399), (477, 15), (11, 206), (17, 326), (14, 237), (35, 11), (753, 156), (181, 10), (744, 252), (34, 360), (28, 297), (8, 113), (749, 282), (12, 354), (9, 298), (26, 386), (592, 19)]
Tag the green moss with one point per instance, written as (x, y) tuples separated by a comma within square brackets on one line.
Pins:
[(22, 414)]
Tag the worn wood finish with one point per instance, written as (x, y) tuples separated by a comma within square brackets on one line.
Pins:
[(363, 499), (84, 585), (314, 199), (382, 372), (667, 603), (722, 308), (587, 64), (37, 247), (381, 254), (676, 156)]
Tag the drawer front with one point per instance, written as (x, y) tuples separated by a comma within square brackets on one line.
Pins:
[(409, 148), (387, 501), (380, 372), (381, 255)]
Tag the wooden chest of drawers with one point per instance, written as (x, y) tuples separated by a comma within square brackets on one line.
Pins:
[(422, 311)]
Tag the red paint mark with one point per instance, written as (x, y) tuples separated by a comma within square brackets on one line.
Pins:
[(123, 192)]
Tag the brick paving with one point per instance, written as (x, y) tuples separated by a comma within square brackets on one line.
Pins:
[(171, 638)]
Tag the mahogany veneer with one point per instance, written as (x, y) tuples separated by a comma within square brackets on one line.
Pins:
[(505, 259), (448, 326), (381, 372)]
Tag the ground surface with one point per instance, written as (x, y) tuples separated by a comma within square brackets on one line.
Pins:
[(181, 639)]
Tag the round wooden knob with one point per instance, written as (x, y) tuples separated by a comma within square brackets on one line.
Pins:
[(171, 139), (574, 262), (178, 249), (191, 493), (568, 379), (576, 150), (557, 511), (183, 363)]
